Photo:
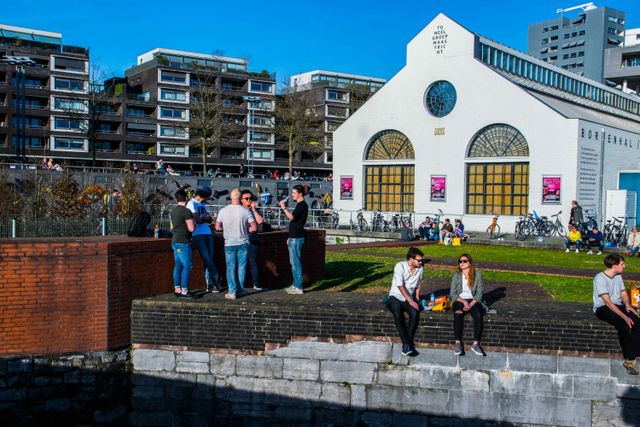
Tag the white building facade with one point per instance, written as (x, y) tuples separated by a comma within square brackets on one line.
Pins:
[(472, 127)]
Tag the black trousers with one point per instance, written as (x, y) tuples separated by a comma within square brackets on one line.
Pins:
[(252, 254), (477, 312), (593, 244), (629, 338), (407, 330)]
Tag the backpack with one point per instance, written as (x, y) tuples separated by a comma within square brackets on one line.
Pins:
[(139, 225)]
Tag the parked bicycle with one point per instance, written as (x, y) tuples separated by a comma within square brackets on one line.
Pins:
[(532, 225), (557, 227), (360, 223), (615, 230), (493, 231)]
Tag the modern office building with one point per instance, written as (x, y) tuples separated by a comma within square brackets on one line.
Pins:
[(578, 43), (622, 67), (475, 128), (632, 37), (335, 96), (43, 94)]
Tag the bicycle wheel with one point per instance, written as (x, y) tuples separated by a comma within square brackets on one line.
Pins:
[(493, 231), (559, 228), (520, 232), (546, 228), (362, 224)]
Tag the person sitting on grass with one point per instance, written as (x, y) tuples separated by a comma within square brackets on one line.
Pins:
[(446, 233), (404, 296), (467, 294), (632, 242), (574, 238), (611, 303), (595, 238), (434, 232)]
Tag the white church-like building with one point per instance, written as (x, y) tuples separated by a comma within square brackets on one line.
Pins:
[(472, 127)]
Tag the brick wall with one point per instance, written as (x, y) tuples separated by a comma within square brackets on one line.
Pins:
[(67, 295)]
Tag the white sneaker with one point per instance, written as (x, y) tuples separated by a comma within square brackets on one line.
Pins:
[(567, 251), (599, 253), (590, 252), (230, 296), (292, 290), (577, 251)]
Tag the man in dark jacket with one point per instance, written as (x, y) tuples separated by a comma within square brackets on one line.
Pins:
[(576, 218)]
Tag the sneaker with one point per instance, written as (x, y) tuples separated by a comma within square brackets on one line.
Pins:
[(478, 350), (630, 366), (406, 350), (590, 252), (187, 295), (257, 288), (567, 250), (577, 251), (292, 290), (458, 349), (177, 294), (599, 253), (413, 353), (230, 296)]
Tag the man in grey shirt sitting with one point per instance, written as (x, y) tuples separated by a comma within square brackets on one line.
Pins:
[(611, 303)]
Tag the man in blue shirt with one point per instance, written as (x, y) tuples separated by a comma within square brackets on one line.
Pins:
[(595, 238)]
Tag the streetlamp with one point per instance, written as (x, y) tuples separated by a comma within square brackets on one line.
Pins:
[(253, 102), (20, 63)]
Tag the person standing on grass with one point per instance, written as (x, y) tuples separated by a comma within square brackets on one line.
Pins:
[(611, 303), (181, 228), (236, 222), (297, 220), (202, 237), (467, 294), (404, 296)]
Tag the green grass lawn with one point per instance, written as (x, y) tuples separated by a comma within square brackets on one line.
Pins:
[(550, 257), (358, 271)]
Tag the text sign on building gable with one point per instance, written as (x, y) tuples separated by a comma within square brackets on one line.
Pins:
[(439, 39)]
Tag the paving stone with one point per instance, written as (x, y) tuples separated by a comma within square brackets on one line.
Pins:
[(335, 394), (365, 351), (407, 399), (205, 380), (544, 410), (619, 413), (307, 350), (153, 360), (594, 388), (626, 391), (301, 369), (358, 396), (192, 356), (474, 381), (474, 405), (439, 377), (513, 382), (222, 365), (434, 356), (398, 375), (492, 361), (347, 372), (540, 363), (259, 366), (584, 366)]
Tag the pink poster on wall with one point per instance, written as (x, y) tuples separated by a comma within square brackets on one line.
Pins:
[(346, 188), (438, 188), (551, 187)]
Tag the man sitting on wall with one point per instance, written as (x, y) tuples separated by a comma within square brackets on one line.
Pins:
[(404, 296), (424, 227), (611, 303), (595, 238), (447, 232)]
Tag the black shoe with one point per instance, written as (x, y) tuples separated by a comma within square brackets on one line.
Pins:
[(188, 295), (413, 353), (177, 294)]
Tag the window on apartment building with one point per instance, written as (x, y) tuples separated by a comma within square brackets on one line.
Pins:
[(262, 154), (68, 84), (553, 28), (67, 123), (334, 95), (545, 29), (168, 76), (337, 111), (553, 48), (68, 143), (261, 121), (173, 95), (332, 126), (173, 113), (173, 131), (582, 33), (67, 104), (545, 40), (554, 38), (612, 30), (176, 150), (29, 141), (261, 137), (261, 87), (136, 112), (68, 64), (567, 35), (30, 122)]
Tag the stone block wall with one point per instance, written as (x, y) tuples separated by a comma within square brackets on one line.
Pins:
[(310, 382), (73, 390)]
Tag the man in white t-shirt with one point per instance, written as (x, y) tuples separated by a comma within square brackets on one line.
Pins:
[(611, 303), (404, 296), (202, 238), (237, 222)]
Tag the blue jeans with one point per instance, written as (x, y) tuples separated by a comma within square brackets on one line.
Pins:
[(295, 247), (204, 244), (236, 262), (424, 232), (182, 268), (568, 243), (633, 250)]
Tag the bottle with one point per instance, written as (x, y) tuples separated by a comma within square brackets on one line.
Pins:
[(156, 232), (432, 298)]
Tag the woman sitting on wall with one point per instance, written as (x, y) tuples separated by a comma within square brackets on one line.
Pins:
[(467, 295)]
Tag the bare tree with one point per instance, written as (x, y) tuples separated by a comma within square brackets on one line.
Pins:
[(209, 123), (358, 95), (297, 122), (89, 108)]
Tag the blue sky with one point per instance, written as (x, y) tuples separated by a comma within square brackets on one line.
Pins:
[(286, 37)]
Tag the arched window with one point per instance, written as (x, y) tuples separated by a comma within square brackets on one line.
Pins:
[(499, 186), (389, 172)]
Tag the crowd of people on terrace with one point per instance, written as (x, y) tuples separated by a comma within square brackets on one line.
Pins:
[(240, 221)]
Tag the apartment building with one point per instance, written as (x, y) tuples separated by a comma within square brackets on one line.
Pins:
[(578, 43), (622, 64), (43, 94), (335, 96)]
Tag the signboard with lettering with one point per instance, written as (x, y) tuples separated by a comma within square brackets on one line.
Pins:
[(551, 189), (439, 39), (588, 191), (438, 188)]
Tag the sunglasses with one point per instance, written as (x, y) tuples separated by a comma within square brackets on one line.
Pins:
[(463, 261), (246, 198)]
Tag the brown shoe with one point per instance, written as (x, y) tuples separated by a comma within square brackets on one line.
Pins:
[(630, 366)]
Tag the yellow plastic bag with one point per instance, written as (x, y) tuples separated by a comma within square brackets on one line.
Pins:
[(457, 241), (634, 294)]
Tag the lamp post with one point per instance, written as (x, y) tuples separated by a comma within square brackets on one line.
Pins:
[(252, 102), (20, 62)]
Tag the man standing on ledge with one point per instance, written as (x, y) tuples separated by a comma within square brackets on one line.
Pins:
[(404, 296), (297, 220), (236, 222), (181, 227), (611, 303)]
